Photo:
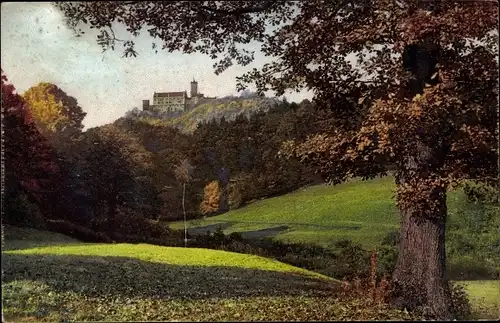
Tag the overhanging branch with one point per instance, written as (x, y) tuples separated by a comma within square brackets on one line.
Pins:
[(241, 11)]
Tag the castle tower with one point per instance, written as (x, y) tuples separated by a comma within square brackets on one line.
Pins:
[(145, 105), (194, 88)]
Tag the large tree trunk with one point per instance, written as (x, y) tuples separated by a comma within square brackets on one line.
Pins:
[(420, 269)]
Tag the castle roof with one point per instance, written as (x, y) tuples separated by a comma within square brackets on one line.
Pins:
[(170, 94)]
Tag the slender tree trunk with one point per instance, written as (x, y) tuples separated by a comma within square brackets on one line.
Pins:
[(184, 211), (420, 269)]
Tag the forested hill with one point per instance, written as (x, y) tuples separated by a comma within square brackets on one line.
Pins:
[(228, 108)]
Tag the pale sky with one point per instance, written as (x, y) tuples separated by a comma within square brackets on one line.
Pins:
[(36, 46)]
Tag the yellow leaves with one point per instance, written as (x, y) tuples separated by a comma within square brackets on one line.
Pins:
[(416, 112), (211, 198), (287, 149), (46, 110)]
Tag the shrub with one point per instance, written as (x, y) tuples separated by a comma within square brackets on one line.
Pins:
[(460, 303), (132, 224), (347, 259), (468, 267), (19, 210)]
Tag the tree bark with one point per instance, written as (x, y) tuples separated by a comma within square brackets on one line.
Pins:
[(223, 199), (184, 212), (419, 275)]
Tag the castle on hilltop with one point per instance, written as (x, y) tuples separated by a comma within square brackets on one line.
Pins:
[(168, 102)]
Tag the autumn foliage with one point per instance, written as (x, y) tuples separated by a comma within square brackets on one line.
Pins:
[(373, 121), (31, 167), (53, 110), (211, 198)]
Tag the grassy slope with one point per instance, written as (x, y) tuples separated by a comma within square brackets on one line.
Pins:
[(69, 280), (173, 256), (484, 296), (23, 238), (363, 211), (123, 282)]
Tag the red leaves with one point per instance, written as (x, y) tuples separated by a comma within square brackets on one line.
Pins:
[(29, 161)]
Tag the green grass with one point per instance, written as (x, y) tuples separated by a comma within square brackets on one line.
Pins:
[(484, 296), (363, 211), (126, 282), (67, 280), (175, 256)]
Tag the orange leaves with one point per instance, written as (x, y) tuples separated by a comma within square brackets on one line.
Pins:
[(211, 198), (364, 142), (421, 194)]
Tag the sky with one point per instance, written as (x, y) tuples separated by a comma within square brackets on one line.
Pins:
[(36, 46)]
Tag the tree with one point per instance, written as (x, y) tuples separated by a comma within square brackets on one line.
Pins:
[(31, 168), (211, 198), (183, 174), (432, 140), (54, 111), (112, 163), (168, 148)]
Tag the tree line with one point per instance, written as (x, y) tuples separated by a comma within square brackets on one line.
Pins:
[(109, 176)]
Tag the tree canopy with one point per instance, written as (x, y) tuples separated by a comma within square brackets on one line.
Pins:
[(54, 111), (31, 165)]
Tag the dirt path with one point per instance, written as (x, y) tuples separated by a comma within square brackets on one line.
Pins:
[(256, 234)]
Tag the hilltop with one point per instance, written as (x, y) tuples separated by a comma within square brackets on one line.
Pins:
[(228, 107)]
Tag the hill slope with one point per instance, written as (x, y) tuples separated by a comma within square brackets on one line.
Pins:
[(124, 282), (363, 211), (228, 108), (73, 281)]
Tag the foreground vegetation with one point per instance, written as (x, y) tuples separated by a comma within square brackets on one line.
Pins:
[(364, 212), (51, 277), (123, 282), (484, 296)]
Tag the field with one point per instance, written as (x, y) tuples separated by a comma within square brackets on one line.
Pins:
[(51, 277), (363, 211), (68, 280), (57, 278), (484, 296)]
